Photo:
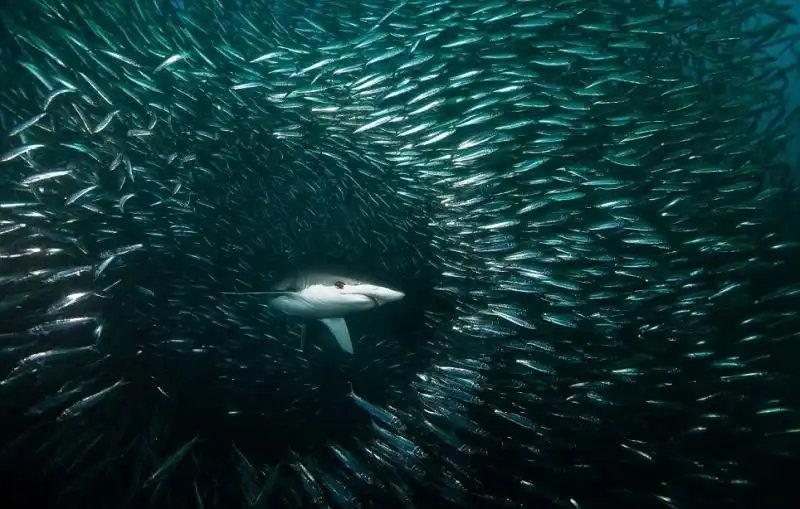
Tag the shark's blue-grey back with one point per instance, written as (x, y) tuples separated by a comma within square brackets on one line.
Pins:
[(299, 280)]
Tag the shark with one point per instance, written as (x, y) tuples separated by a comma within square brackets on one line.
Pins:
[(327, 298)]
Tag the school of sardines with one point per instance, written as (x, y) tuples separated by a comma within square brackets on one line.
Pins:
[(584, 201)]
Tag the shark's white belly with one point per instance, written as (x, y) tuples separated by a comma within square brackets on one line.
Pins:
[(318, 302)]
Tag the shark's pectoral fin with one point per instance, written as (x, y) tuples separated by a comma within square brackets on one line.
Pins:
[(338, 328)]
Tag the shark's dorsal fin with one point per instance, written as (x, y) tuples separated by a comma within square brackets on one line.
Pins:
[(338, 328)]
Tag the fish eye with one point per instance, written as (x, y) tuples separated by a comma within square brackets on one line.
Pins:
[(339, 284)]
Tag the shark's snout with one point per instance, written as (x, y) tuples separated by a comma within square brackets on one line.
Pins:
[(389, 295), (379, 294)]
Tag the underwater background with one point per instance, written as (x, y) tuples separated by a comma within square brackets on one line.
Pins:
[(590, 206)]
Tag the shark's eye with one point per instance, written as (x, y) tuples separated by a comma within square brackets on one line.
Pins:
[(339, 284)]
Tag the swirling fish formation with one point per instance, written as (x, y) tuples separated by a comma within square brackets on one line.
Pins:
[(580, 198)]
